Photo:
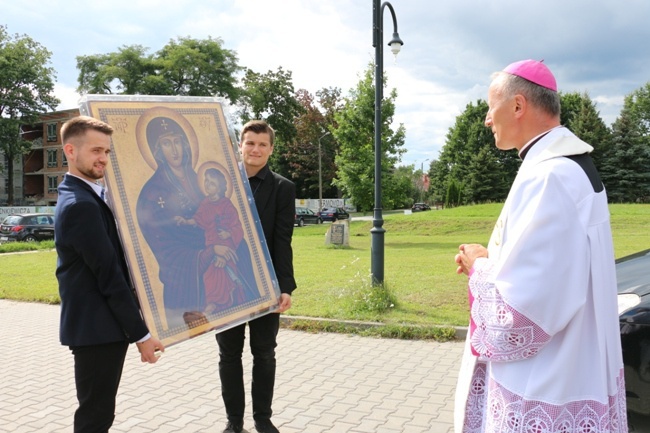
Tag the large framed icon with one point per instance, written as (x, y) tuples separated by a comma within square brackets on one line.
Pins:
[(192, 237)]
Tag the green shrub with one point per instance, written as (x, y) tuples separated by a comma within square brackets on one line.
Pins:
[(14, 247)]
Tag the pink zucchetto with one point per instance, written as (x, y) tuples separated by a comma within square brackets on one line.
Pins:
[(534, 71)]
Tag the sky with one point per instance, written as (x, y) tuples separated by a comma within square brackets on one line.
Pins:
[(451, 47)]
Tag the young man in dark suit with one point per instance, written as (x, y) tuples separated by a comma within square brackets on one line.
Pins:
[(275, 202), (99, 314)]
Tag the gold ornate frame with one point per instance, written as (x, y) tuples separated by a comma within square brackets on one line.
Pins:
[(160, 268)]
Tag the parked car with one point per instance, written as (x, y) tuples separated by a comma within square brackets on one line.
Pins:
[(633, 276), (306, 216), (334, 214), (27, 227), (420, 207)]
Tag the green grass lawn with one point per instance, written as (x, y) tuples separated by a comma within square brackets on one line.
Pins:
[(29, 276), (333, 282)]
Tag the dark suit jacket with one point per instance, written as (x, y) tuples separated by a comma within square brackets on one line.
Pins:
[(275, 200), (97, 302)]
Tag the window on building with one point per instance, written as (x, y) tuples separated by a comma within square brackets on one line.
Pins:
[(51, 132), (64, 161), (51, 158), (5, 163), (52, 183)]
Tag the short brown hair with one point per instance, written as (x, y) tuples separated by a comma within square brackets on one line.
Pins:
[(258, 127), (78, 126)]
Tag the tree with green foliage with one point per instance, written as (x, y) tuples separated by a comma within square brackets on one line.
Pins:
[(408, 183), (584, 120), (625, 162), (355, 133), (570, 104), (454, 193), (482, 173), (185, 66), (470, 147), (199, 67), (129, 71), (271, 97), (468, 135), (438, 174), (330, 101), (302, 154), (485, 181), (625, 171), (639, 105), (26, 91)]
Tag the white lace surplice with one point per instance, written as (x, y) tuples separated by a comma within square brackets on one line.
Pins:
[(543, 308)]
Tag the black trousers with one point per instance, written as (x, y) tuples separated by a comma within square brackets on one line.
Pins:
[(97, 374), (263, 332)]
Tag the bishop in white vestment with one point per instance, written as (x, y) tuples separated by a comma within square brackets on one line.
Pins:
[(543, 351)]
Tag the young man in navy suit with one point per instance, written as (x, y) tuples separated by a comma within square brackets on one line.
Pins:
[(99, 313), (276, 205)]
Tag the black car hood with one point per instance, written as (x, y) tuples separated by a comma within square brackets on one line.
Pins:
[(633, 273)]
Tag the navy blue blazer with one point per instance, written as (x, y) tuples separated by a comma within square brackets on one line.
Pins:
[(98, 305), (275, 200)]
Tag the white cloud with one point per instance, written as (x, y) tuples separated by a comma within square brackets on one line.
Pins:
[(450, 50), (609, 107), (68, 96), (427, 110)]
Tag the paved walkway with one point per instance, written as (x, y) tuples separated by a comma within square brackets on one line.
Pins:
[(325, 382)]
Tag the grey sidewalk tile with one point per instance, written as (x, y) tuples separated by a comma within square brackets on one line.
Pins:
[(325, 382), (367, 426), (396, 423), (434, 428)]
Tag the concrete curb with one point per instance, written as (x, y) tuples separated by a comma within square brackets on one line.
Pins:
[(286, 321)]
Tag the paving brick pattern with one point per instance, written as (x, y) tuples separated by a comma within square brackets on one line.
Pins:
[(325, 382)]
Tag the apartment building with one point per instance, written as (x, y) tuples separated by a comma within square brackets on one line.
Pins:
[(40, 171)]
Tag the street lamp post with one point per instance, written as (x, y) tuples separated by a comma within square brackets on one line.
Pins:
[(377, 231), (422, 165), (422, 189), (320, 173)]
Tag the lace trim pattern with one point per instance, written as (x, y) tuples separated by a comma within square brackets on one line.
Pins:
[(501, 411), (500, 333)]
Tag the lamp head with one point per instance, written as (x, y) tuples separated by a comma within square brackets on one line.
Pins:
[(395, 44)]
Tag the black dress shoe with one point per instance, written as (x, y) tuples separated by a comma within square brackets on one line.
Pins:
[(233, 428), (266, 427)]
